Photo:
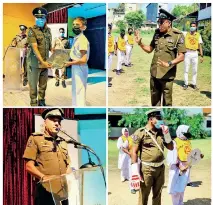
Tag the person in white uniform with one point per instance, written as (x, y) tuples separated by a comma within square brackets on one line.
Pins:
[(120, 51), (193, 43), (79, 55), (179, 170), (111, 49), (124, 154), (129, 46)]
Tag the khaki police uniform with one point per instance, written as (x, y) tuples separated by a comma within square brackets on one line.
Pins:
[(166, 46), (79, 72), (152, 164), (20, 41), (51, 158), (38, 76), (60, 43)]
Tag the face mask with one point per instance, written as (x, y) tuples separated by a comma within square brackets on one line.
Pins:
[(192, 29), (159, 123), (40, 22), (62, 35), (76, 31)]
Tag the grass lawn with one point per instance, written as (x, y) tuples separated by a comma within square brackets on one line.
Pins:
[(132, 88)]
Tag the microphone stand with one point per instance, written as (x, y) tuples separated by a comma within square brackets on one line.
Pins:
[(78, 145)]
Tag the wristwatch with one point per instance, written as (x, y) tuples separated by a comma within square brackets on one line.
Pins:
[(170, 63)]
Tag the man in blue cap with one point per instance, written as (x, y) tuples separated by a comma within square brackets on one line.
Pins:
[(169, 49), (20, 41), (39, 45)]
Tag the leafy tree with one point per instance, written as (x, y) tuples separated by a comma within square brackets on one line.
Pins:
[(182, 10), (206, 36), (121, 24), (135, 19), (172, 117)]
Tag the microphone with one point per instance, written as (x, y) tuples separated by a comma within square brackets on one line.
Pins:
[(63, 135)]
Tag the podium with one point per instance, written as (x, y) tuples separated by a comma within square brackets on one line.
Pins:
[(72, 187), (12, 68)]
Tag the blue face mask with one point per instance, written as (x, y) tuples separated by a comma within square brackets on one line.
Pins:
[(192, 29), (62, 35), (40, 22), (159, 123)]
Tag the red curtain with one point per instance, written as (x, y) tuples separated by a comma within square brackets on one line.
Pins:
[(59, 16), (18, 125)]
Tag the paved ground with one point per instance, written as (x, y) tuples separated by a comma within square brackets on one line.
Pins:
[(59, 96)]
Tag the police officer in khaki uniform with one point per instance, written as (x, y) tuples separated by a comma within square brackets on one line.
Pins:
[(39, 45), (46, 155), (20, 41), (169, 49), (150, 142)]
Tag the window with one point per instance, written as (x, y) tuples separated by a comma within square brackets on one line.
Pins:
[(209, 5), (208, 123), (202, 6)]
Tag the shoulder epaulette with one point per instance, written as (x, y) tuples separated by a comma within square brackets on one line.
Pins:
[(37, 133)]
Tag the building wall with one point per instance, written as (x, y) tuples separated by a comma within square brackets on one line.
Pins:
[(204, 14), (130, 8), (15, 14), (116, 132), (152, 11)]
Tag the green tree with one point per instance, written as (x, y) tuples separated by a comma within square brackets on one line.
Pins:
[(121, 24), (206, 36), (173, 118), (182, 10), (135, 19)]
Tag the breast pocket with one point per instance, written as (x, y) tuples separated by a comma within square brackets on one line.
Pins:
[(170, 46), (147, 141), (46, 153), (39, 40)]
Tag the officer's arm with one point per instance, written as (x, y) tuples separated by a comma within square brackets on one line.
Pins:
[(179, 59), (134, 154), (37, 53), (14, 43), (31, 168), (147, 49)]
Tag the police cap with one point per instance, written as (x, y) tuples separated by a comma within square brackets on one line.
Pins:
[(154, 113), (40, 12), (23, 27), (163, 14), (53, 112)]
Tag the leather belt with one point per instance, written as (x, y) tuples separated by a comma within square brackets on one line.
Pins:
[(153, 164)]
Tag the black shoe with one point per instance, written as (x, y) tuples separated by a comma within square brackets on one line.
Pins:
[(41, 103), (64, 84), (25, 81), (185, 87), (195, 87), (190, 184), (133, 191), (109, 85), (118, 72), (57, 83), (128, 65)]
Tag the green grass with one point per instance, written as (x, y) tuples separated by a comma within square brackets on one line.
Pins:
[(203, 144), (138, 76)]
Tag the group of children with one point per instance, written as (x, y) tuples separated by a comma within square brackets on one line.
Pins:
[(177, 160), (122, 47)]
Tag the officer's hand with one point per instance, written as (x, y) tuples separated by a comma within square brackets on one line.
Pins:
[(115, 53), (137, 36), (45, 64), (201, 59), (162, 63), (48, 177)]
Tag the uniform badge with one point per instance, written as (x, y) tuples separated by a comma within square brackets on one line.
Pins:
[(181, 40), (39, 11), (30, 143), (134, 137)]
